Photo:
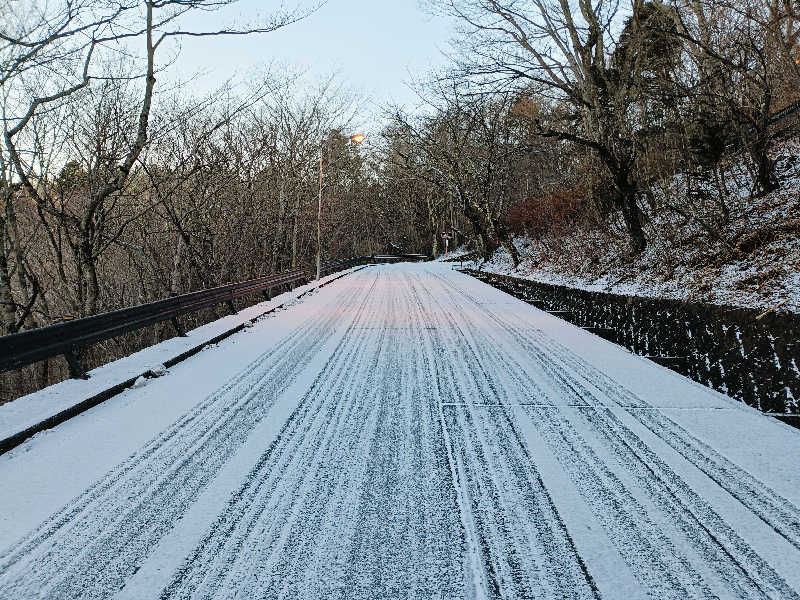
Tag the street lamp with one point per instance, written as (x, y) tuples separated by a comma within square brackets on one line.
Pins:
[(354, 139)]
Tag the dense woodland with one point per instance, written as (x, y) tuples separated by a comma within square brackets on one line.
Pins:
[(117, 188)]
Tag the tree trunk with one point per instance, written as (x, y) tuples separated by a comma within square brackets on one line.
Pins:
[(8, 310), (175, 278), (476, 219), (765, 168), (23, 280), (294, 230), (633, 219), (486, 249), (498, 231), (10, 245), (91, 287), (277, 239), (434, 229), (507, 243), (626, 189)]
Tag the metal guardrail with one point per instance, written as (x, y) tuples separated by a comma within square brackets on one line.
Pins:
[(392, 258), (785, 112), (21, 349), (65, 339), (340, 265), (782, 114)]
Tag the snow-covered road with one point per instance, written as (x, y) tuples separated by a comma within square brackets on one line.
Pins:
[(407, 432)]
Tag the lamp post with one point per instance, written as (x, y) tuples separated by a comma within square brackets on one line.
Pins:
[(354, 139)]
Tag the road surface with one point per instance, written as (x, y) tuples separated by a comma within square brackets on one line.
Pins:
[(407, 432)]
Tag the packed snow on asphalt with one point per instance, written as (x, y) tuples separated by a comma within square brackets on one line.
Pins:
[(407, 432)]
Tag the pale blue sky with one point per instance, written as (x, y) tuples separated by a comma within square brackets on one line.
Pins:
[(376, 45)]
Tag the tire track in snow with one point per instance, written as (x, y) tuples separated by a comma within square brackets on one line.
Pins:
[(89, 548), (386, 480), (334, 501), (777, 512), (746, 573), (526, 548), (477, 576), (281, 474), (651, 555)]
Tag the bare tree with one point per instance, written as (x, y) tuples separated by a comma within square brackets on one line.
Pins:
[(74, 33), (468, 149), (743, 55), (562, 53)]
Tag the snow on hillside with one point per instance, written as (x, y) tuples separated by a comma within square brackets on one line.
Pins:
[(752, 261)]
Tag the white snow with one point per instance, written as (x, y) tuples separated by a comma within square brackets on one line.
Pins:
[(682, 261), (405, 432), (27, 411), (724, 290)]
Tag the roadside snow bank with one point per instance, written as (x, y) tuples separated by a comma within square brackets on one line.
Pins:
[(27, 411)]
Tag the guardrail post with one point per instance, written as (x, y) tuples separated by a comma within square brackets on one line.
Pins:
[(76, 370), (231, 307), (178, 329), (174, 320)]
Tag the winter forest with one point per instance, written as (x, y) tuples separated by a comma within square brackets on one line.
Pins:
[(584, 138)]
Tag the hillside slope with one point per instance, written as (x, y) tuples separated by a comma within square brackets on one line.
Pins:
[(716, 242)]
